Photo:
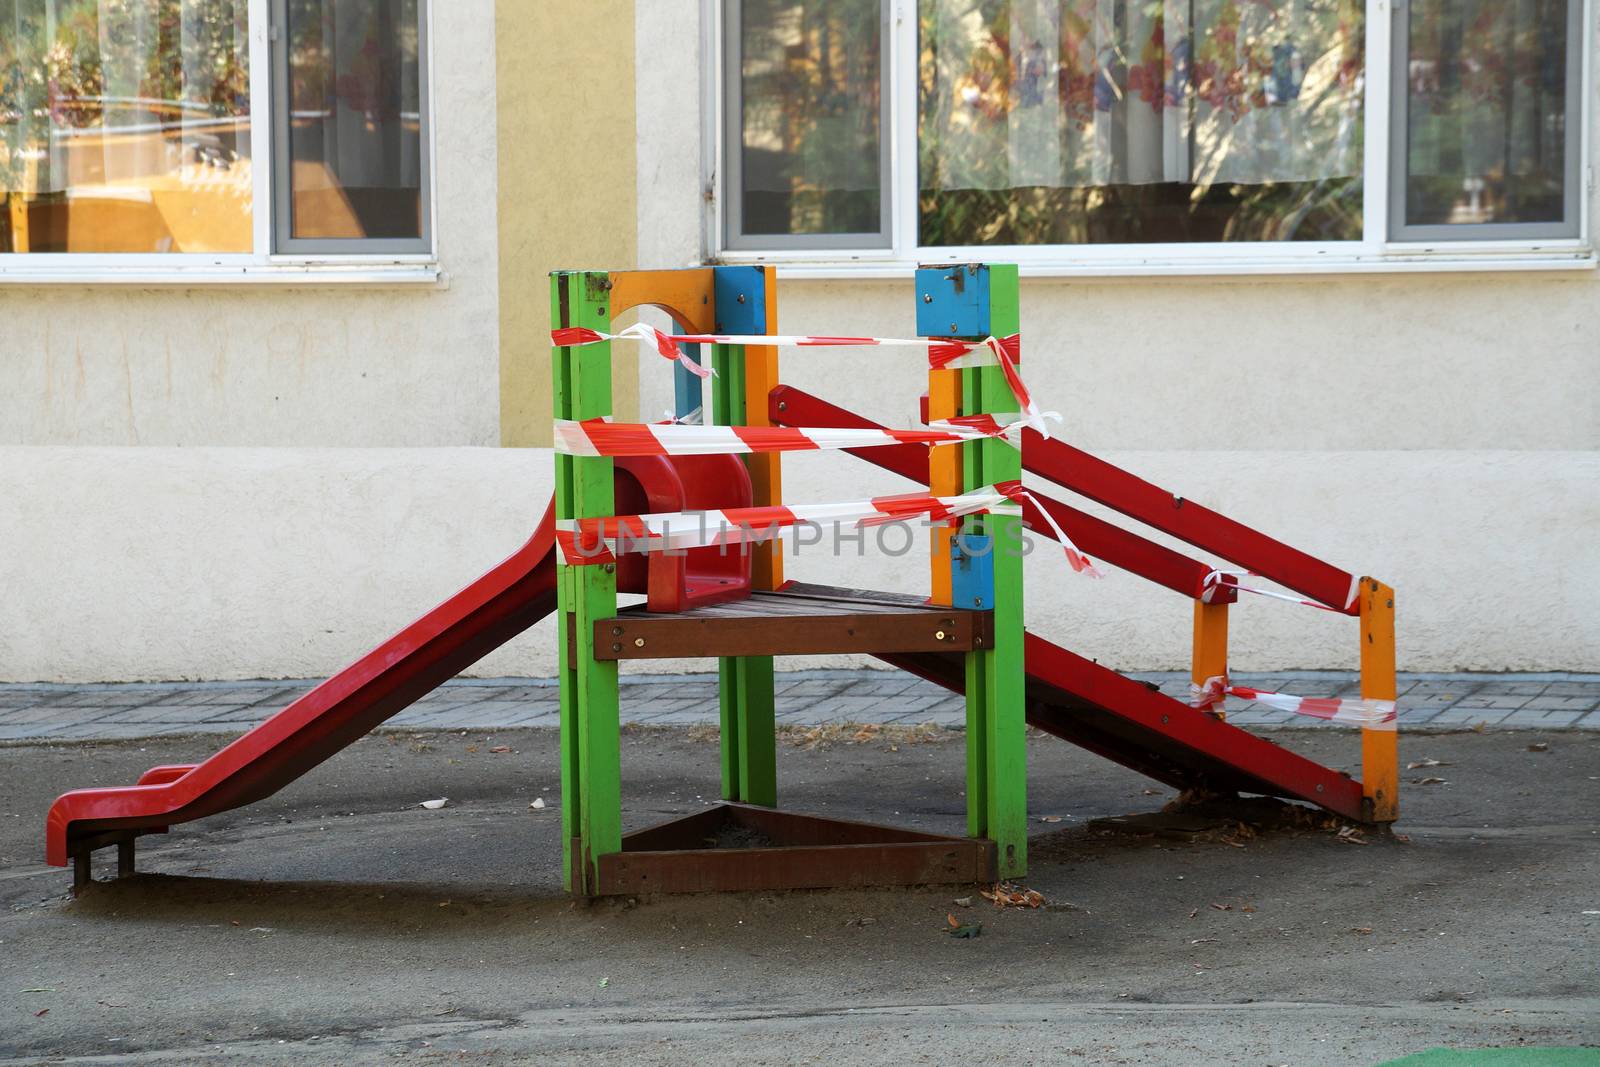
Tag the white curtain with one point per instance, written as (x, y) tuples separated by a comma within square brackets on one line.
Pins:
[(1075, 93), (96, 94)]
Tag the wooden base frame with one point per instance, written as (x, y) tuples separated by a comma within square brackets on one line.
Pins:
[(785, 850)]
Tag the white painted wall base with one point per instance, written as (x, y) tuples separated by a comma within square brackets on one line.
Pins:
[(228, 563)]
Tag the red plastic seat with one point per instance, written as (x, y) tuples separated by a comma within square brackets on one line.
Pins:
[(698, 576)]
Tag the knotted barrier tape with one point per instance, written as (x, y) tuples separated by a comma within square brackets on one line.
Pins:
[(943, 354), (1369, 714), (1226, 578)]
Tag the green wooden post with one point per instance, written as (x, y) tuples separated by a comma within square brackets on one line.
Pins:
[(997, 755), (745, 683), (591, 740), (748, 706)]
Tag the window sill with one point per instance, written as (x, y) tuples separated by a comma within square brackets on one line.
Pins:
[(1423, 260), (308, 275)]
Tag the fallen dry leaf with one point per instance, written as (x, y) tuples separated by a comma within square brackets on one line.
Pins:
[(1194, 912), (1361, 929), (501, 748), (1248, 907), (1539, 746), (1416, 765), (1429, 781), (1006, 895), (41, 1013)]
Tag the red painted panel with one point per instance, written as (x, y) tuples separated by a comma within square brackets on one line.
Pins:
[(489, 612), (1100, 539), (1136, 498)]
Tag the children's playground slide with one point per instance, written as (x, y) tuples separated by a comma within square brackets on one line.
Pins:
[(741, 610), (474, 622)]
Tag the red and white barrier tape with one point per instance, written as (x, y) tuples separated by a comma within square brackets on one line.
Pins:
[(1080, 563), (601, 437), (942, 354), (1371, 714), (1229, 579), (586, 542)]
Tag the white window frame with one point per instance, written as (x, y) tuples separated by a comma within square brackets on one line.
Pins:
[(1375, 252), (264, 266)]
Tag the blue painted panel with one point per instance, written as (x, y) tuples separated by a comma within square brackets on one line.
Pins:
[(741, 296), (688, 390), (972, 571), (953, 301)]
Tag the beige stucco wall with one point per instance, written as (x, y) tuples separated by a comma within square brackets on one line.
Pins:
[(151, 527), (271, 366)]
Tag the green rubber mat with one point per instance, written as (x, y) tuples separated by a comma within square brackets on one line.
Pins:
[(1501, 1057)]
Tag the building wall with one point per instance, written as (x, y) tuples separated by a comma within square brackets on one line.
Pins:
[(259, 481), (1439, 431), (254, 482)]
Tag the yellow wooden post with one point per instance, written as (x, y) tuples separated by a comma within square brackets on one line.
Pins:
[(1380, 745), (19, 222), (944, 474), (1210, 659)]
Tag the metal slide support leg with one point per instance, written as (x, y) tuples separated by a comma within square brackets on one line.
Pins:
[(82, 870), (125, 866)]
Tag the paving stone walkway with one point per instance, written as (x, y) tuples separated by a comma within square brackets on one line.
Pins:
[(107, 712)]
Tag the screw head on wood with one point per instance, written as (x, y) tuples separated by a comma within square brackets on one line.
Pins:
[(938, 635), (638, 642)]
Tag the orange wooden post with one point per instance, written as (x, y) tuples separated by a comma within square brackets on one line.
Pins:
[(1380, 745), (1210, 659), (944, 474), (766, 476)]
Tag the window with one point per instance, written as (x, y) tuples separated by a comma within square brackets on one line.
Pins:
[(126, 129), (1482, 135), (1097, 128), (811, 123)]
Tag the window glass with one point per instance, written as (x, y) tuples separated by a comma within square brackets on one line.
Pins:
[(1486, 85), (1126, 121), (125, 126), (355, 147), (809, 136)]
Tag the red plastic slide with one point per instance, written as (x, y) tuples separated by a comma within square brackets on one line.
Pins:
[(476, 621)]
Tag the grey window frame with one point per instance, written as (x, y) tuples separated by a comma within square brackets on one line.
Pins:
[(1399, 117), (283, 243), (734, 237)]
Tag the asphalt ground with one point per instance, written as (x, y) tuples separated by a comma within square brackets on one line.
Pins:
[(339, 922)]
